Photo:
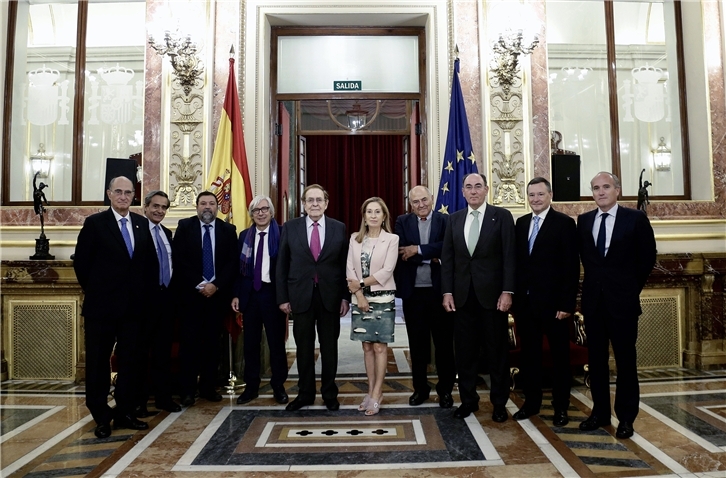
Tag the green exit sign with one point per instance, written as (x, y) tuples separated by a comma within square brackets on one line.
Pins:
[(345, 85)]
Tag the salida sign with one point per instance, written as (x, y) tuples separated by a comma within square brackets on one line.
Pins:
[(346, 85)]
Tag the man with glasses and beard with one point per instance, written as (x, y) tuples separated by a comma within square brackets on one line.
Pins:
[(205, 267)]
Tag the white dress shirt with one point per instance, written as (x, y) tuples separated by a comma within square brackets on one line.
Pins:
[(609, 225)]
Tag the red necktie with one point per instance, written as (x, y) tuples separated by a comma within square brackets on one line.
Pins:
[(315, 241)]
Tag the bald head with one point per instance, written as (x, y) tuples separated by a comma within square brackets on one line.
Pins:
[(421, 200)]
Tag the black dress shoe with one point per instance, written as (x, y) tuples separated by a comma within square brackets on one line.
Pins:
[(465, 410), (418, 398), (280, 395), (170, 406), (499, 414), (332, 404), (187, 401), (625, 430), (212, 396), (129, 421), (561, 419), (593, 423), (524, 413), (445, 400), (103, 430), (298, 403), (247, 396)]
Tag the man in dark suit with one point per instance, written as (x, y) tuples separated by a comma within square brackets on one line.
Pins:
[(156, 337), (311, 285), (205, 266), (418, 284), (548, 271), (116, 267), (256, 302), (618, 251), (477, 279)]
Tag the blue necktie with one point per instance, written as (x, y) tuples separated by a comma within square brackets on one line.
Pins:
[(601, 235), (164, 269), (127, 237), (535, 230), (207, 255)]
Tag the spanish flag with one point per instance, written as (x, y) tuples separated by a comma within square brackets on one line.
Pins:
[(229, 176)]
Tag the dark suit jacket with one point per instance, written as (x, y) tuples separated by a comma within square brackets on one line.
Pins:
[(621, 275), (492, 266), (243, 285), (407, 230), (296, 267), (551, 273), (115, 284), (187, 252)]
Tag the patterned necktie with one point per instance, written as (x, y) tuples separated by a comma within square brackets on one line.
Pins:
[(207, 254), (127, 237), (161, 254), (315, 241), (473, 232), (535, 230), (257, 282), (601, 235)]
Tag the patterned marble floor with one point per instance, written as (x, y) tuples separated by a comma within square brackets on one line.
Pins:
[(46, 431)]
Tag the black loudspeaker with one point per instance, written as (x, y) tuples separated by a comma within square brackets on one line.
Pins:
[(116, 167), (565, 177)]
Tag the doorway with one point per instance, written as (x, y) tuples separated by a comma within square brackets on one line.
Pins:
[(380, 159)]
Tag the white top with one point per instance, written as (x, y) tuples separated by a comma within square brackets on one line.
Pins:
[(609, 225), (470, 219)]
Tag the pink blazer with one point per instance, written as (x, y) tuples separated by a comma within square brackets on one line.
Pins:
[(383, 261)]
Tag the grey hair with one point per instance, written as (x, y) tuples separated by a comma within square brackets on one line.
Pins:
[(257, 200), (616, 180), (156, 192)]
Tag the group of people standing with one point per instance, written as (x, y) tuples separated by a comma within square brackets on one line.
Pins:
[(458, 277)]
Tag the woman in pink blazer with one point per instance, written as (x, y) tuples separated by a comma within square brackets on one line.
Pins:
[(372, 257)]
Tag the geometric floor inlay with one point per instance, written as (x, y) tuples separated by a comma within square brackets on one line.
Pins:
[(398, 437)]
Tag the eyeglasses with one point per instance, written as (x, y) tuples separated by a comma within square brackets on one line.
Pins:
[(121, 192), (263, 210), (315, 200)]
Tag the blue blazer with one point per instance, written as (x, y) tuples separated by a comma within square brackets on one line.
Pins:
[(243, 283), (407, 230)]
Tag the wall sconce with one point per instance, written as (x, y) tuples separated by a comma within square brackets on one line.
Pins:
[(507, 49), (182, 52), (356, 116), (662, 156), (40, 162)]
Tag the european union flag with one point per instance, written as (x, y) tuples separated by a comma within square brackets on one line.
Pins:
[(459, 158)]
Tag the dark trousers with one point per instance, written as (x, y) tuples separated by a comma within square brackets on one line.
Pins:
[(476, 326), (532, 325), (262, 311), (155, 351), (602, 327), (426, 318), (304, 326), (100, 336), (201, 326)]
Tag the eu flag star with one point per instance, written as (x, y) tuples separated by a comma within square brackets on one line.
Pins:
[(444, 209), (472, 157), (445, 188), (459, 155), (449, 167)]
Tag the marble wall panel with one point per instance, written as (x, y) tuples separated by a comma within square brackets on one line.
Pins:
[(466, 36)]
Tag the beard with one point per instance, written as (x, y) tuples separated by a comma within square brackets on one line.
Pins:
[(206, 217)]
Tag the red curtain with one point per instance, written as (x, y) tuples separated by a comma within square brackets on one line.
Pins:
[(354, 168)]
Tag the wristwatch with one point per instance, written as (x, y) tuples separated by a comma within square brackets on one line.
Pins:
[(362, 284)]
